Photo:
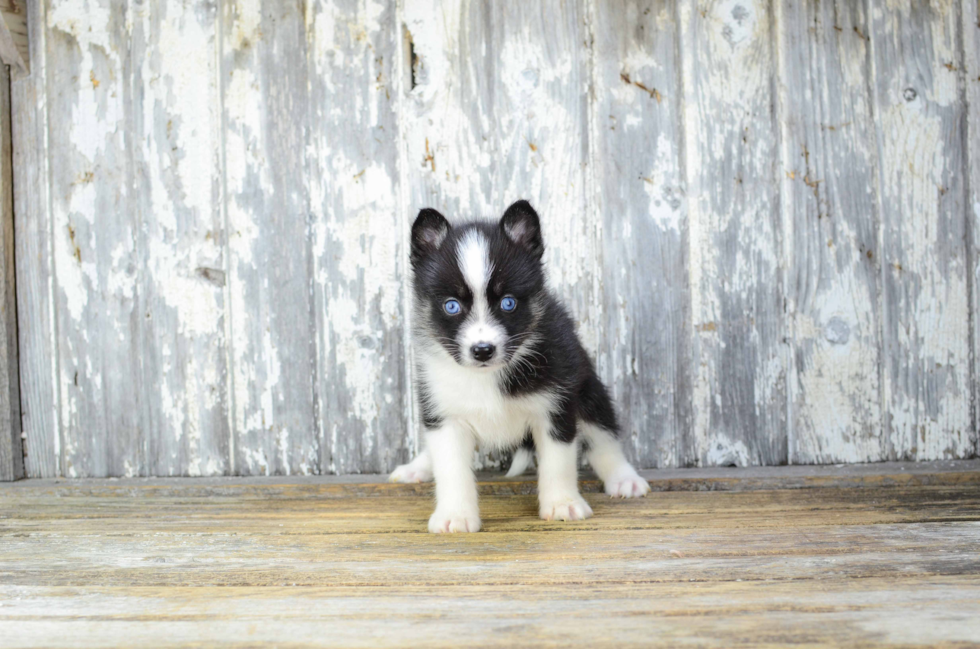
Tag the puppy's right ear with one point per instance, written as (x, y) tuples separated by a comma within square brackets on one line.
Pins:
[(429, 232)]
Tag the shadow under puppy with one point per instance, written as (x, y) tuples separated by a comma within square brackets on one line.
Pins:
[(500, 365)]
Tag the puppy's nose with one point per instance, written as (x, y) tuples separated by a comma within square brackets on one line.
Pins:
[(482, 351)]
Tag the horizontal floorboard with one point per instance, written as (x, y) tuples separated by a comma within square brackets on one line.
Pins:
[(306, 563)]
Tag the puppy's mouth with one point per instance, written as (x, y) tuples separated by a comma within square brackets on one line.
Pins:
[(499, 360), (491, 364)]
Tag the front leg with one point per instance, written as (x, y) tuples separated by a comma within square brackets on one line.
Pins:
[(450, 448), (558, 495)]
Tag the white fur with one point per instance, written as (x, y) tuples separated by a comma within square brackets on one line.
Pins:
[(451, 448), (521, 461), (473, 257), (418, 470), (558, 496), (606, 458), (475, 411), (472, 395)]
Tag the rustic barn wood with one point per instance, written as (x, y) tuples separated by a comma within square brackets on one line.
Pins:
[(830, 232), (762, 214), (14, 44), (309, 561), (359, 259), (925, 293), (971, 58), (641, 208), (34, 257), (92, 182), (731, 137), (11, 445), (182, 272), (271, 337)]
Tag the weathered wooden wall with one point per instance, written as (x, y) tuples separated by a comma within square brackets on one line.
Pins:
[(765, 215), (11, 444)]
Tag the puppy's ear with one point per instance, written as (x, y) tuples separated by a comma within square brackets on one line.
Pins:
[(521, 225), (428, 233)]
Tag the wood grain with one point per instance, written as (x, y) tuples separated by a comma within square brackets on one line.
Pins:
[(970, 80), (94, 220), (358, 256), (762, 216), (868, 612), (33, 253), (645, 315), (830, 234), (731, 137), (11, 446), (181, 240), (925, 310), (251, 561), (265, 104)]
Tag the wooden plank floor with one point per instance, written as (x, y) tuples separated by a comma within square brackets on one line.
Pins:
[(892, 559)]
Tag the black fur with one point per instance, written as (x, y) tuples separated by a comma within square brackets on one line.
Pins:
[(556, 361), (430, 419)]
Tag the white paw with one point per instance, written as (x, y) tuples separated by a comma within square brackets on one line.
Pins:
[(410, 472), (450, 521), (627, 484), (571, 507)]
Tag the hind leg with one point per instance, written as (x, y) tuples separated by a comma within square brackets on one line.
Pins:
[(418, 470), (606, 458)]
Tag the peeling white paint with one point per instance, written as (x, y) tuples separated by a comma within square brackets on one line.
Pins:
[(469, 158), (727, 64), (927, 387), (727, 452), (663, 186)]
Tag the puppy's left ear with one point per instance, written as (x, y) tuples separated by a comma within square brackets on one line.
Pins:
[(521, 225)]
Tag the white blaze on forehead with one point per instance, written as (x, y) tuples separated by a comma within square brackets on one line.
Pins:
[(473, 255), (474, 262)]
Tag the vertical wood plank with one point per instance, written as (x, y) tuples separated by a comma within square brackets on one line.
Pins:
[(11, 445), (93, 207), (498, 112), (273, 344), (642, 203), (970, 78), (920, 130), (34, 260), (181, 237), (830, 231), (731, 148), (357, 251)]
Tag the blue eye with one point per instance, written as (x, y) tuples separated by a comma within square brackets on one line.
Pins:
[(452, 307), (508, 303)]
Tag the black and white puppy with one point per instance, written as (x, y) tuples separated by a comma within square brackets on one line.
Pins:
[(500, 366)]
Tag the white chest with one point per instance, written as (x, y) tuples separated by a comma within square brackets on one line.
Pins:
[(473, 398)]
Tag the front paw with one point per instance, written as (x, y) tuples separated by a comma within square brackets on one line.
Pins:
[(445, 521), (410, 473), (570, 507), (627, 484)]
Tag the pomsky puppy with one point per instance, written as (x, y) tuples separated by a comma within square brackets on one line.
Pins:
[(500, 366)]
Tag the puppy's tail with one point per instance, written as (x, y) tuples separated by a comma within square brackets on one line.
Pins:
[(522, 460)]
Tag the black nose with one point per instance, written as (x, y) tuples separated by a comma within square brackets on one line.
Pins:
[(482, 351)]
